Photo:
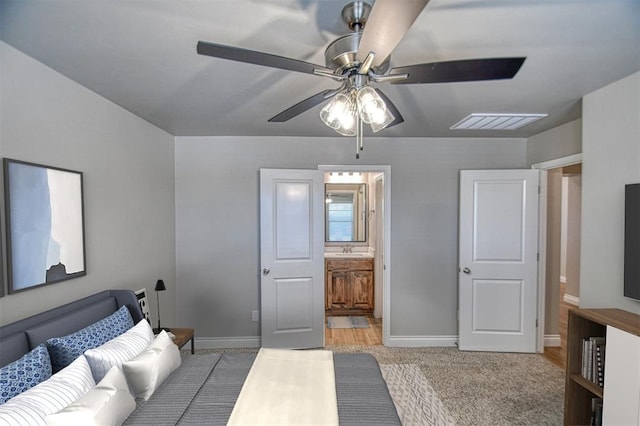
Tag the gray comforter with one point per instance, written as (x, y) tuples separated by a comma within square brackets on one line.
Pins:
[(204, 389)]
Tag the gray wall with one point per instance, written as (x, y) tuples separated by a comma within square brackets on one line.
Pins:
[(552, 273), (128, 181), (574, 225), (217, 219), (611, 155), (558, 142)]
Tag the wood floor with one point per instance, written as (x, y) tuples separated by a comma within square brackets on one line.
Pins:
[(371, 336), (558, 355)]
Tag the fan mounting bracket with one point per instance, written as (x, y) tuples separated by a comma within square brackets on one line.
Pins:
[(355, 15)]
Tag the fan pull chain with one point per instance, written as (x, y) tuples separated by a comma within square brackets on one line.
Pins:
[(361, 128), (359, 136)]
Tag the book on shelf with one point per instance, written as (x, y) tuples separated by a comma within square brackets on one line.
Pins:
[(599, 362), (593, 352), (596, 412)]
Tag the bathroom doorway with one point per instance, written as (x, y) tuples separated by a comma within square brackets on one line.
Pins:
[(559, 251), (564, 188), (357, 270)]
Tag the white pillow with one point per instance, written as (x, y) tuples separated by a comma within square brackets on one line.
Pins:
[(119, 349), (109, 403), (146, 372), (34, 405)]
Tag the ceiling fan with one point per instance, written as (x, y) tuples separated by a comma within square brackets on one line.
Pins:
[(362, 57)]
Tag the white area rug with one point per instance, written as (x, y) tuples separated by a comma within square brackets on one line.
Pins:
[(414, 398)]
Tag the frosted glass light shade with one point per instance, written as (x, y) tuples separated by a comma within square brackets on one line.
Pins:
[(333, 114), (382, 121), (372, 109), (339, 114), (348, 124), (370, 106)]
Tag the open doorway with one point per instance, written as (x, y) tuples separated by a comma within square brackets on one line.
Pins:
[(356, 271), (560, 254)]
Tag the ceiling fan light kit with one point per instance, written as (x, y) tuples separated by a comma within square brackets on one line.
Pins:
[(362, 57), (348, 110), (353, 104)]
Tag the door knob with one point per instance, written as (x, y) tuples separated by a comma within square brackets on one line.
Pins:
[(466, 270), (266, 271)]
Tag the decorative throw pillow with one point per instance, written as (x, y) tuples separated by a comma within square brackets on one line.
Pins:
[(109, 403), (146, 372), (119, 349), (33, 406), (63, 350), (24, 373)]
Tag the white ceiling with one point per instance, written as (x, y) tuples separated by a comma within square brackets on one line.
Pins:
[(141, 55)]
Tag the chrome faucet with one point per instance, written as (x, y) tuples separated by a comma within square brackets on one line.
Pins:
[(347, 249)]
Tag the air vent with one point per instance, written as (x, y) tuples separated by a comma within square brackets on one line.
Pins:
[(496, 121)]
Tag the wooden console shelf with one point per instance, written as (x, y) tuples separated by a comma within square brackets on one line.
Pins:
[(583, 324)]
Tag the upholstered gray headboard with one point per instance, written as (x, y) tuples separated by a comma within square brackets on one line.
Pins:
[(18, 338)]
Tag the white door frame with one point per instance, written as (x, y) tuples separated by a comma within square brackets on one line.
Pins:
[(386, 278), (542, 236)]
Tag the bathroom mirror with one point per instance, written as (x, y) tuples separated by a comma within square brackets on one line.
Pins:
[(345, 212)]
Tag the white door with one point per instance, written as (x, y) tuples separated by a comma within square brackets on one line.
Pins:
[(292, 258), (498, 252)]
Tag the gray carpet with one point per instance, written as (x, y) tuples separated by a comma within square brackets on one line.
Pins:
[(484, 388), (480, 388)]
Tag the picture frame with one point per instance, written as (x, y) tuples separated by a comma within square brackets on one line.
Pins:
[(143, 301), (44, 213)]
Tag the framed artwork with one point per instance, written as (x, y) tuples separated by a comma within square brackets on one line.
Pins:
[(141, 295), (44, 225)]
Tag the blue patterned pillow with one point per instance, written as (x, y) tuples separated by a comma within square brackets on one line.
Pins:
[(25, 373), (63, 350)]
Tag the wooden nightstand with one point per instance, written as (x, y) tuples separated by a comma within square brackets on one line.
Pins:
[(183, 335)]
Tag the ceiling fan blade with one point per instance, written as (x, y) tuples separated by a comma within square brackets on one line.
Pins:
[(456, 71), (303, 106), (255, 57), (388, 22), (398, 117)]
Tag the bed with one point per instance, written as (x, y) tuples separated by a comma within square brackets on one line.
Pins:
[(204, 388)]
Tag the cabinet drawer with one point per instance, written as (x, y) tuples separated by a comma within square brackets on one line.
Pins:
[(349, 264)]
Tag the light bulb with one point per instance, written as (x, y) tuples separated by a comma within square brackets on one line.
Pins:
[(333, 114), (371, 107), (348, 124), (373, 110)]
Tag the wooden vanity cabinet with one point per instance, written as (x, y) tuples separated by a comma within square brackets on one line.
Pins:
[(349, 286)]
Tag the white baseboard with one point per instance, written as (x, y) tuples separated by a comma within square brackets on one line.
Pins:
[(227, 342), (572, 300), (423, 341), (552, 340)]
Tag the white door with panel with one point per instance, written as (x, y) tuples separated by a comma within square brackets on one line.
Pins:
[(498, 255), (292, 258)]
